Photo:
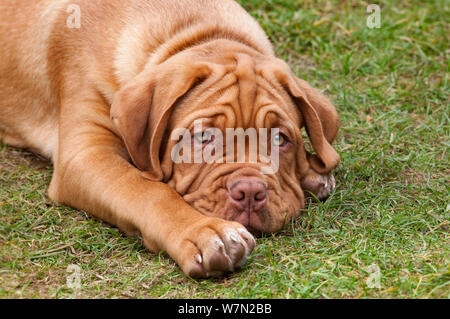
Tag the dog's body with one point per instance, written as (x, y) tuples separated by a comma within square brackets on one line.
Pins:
[(98, 98)]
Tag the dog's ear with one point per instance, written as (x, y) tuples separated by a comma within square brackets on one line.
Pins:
[(326, 111), (141, 109), (320, 117)]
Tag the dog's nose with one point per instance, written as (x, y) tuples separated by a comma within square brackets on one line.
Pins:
[(248, 195)]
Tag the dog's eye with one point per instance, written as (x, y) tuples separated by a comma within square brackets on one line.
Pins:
[(279, 140), (204, 137)]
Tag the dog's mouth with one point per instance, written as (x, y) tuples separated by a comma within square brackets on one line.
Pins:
[(242, 194), (255, 232), (258, 221)]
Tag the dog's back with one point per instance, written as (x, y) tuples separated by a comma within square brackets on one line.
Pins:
[(119, 37), (28, 112)]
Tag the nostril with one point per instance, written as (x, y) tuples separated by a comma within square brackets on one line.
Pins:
[(239, 195), (261, 195)]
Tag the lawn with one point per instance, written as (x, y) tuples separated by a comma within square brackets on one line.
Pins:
[(384, 233)]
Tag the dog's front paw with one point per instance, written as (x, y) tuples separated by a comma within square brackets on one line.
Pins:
[(214, 247)]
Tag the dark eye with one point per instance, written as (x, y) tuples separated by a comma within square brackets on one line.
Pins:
[(279, 139), (204, 137)]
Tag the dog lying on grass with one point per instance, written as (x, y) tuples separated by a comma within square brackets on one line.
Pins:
[(99, 87)]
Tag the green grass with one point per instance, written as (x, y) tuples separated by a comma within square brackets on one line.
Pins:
[(391, 209)]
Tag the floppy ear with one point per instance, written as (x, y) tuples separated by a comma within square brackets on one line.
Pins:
[(142, 108), (320, 117), (325, 110)]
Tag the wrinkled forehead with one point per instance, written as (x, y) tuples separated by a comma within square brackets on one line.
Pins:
[(239, 99)]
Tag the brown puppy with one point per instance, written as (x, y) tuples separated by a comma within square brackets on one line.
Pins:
[(100, 86)]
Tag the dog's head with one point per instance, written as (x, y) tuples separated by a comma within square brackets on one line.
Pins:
[(221, 124)]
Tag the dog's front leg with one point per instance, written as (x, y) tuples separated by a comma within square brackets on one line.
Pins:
[(92, 173)]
